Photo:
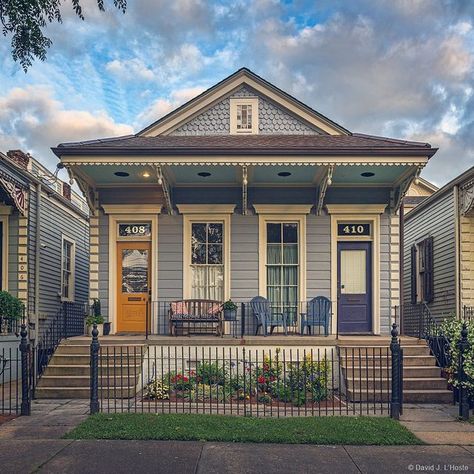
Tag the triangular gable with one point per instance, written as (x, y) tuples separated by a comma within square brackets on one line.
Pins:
[(242, 80)]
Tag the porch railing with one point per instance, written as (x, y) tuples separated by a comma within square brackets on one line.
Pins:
[(9, 325), (242, 322)]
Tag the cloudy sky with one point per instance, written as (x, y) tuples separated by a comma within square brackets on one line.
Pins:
[(399, 68)]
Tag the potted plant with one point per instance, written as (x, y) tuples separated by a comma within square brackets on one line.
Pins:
[(11, 310), (230, 311), (95, 318)]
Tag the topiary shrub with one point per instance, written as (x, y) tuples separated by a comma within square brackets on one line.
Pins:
[(10, 306)]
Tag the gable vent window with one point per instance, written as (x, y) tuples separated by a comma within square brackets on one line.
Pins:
[(244, 116), (422, 272)]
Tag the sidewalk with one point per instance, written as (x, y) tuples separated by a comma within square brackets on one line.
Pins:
[(33, 444)]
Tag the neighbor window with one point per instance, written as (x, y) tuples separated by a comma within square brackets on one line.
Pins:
[(283, 266), (422, 272), (244, 116), (207, 260), (67, 269)]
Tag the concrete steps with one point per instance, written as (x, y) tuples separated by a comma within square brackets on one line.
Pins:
[(68, 373), (366, 373)]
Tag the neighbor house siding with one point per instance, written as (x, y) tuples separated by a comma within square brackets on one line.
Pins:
[(244, 257), (13, 253), (170, 257), (318, 256), (467, 260), (436, 220), (32, 238)]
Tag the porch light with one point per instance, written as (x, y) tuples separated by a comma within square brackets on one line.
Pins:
[(204, 174), (367, 174), (121, 174), (146, 174), (284, 174)]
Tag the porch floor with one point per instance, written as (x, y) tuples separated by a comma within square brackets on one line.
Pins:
[(274, 340)]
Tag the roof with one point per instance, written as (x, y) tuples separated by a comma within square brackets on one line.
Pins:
[(355, 144), (462, 179), (243, 75)]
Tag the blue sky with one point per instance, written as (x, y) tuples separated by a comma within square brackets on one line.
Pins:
[(400, 68)]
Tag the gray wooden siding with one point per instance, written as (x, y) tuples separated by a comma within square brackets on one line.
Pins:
[(170, 257), (318, 256), (55, 222), (272, 118), (436, 220), (104, 264), (13, 254), (244, 257)]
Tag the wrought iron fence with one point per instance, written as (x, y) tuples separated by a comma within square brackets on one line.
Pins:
[(247, 381), (295, 318), (468, 313), (9, 325)]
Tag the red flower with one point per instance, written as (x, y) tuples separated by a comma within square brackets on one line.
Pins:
[(185, 379), (261, 379)]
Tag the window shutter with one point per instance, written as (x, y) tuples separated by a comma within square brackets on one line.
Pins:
[(413, 274), (428, 276)]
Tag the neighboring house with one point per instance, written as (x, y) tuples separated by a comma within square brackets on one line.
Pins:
[(44, 243), (245, 191), (439, 253), (417, 193)]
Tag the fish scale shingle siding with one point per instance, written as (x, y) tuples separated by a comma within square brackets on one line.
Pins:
[(437, 221), (271, 119)]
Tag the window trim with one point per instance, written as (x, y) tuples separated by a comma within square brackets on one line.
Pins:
[(188, 220), (263, 220), (253, 102), (72, 282), (421, 274)]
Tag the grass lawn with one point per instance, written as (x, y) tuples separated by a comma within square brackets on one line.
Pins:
[(322, 430)]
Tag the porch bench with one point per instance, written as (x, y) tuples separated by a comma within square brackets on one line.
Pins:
[(194, 313)]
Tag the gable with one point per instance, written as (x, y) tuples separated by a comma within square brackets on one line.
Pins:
[(211, 105), (272, 119)]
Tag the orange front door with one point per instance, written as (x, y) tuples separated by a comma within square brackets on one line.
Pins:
[(133, 283)]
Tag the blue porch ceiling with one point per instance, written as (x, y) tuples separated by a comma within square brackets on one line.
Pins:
[(381, 174)]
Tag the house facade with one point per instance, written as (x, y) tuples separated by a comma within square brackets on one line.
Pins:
[(245, 191), (439, 251), (44, 243)]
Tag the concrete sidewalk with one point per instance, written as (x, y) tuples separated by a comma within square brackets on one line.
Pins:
[(176, 457)]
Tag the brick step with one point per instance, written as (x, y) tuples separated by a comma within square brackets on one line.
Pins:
[(409, 396), (80, 349), (80, 392), (408, 372), (415, 383), (375, 361), (84, 381), (77, 359), (382, 351), (83, 370)]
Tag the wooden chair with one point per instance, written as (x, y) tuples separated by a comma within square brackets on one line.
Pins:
[(318, 313), (265, 317)]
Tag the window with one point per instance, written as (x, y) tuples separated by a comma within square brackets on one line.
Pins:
[(67, 269), (422, 272), (244, 116), (283, 266), (207, 260)]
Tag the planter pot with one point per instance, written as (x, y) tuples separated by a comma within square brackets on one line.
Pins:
[(100, 328), (107, 329), (230, 315)]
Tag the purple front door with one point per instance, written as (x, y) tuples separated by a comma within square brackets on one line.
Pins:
[(354, 287)]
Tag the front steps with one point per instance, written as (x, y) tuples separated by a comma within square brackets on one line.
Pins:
[(366, 373), (68, 372)]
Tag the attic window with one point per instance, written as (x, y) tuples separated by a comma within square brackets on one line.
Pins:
[(244, 115)]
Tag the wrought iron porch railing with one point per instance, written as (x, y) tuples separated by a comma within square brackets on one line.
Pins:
[(241, 322)]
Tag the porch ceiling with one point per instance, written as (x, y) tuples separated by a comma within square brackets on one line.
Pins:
[(212, 174)]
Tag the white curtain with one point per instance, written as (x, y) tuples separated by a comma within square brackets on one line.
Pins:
[(207, 282)]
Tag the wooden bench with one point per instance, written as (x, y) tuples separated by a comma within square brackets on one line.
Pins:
[(193, 314)]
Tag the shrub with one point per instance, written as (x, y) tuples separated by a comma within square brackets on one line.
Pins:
[(204, 392), (91, 320), (10, 307), (180, 381), (211, 373), (157, 390)]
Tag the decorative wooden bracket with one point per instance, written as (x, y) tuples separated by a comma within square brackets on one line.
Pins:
[(89, 191), (327, 181), (17, 194), (244, 190), (402, 189), (162, 181), (466, 201)]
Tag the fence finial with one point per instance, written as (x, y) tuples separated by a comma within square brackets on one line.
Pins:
[(394, 332)]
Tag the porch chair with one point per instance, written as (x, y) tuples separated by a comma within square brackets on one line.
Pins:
[(318, 313), (265, 317)]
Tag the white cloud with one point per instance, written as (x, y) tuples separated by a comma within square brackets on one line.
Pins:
[(31, 119), (130, 69)]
